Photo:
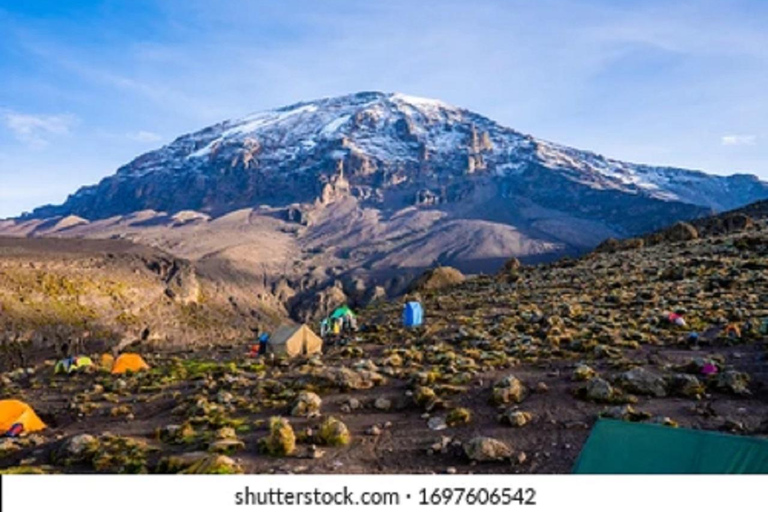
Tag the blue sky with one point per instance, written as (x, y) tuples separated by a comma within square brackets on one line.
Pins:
[(86, 86)]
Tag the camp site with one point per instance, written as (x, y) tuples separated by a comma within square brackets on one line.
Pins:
[(525, 371)]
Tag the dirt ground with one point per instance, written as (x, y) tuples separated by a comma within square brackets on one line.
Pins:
[(551, 442)]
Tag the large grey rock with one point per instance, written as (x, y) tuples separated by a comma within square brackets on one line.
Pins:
[(599, 390), (487, 449), (643, 382)]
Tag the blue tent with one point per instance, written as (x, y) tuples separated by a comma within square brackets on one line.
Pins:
[(413, 314)]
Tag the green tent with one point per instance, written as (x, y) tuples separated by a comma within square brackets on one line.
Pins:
[(622, 447), (342, 312), (72, 364)]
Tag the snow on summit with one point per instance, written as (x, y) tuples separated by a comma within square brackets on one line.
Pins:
[(393, 140)]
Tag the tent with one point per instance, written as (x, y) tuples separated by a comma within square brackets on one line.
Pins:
[(106, 362), (622, 447), (732, 331), (294, 340), (129, 363), (341, 312), (72, 364), (676, 319), (15, 412), (413, 314)]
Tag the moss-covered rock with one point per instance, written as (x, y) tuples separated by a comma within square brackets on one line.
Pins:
[(424, 396), (25, 470), (516, 418), (583, 373), (458, 416), (77, 450), (306, 404), (117, 454), (199, 463), (184, 434), (333, 432), (508, 390), (281, 440)]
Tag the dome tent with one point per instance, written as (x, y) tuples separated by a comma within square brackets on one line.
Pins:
[(73, 364), (341, 312), (129, 363), (16, 412)]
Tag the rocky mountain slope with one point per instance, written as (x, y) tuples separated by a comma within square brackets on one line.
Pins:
[(91, 295), (351, 197), (507, 375)]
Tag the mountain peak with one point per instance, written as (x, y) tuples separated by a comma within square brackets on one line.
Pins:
[(390, 147)]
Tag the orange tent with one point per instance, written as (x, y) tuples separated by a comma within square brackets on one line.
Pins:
[(15, 411), (733, 331), (129, 363)]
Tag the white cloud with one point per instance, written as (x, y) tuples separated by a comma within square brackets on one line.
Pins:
[(145, 136), (738, 140), (36, 130)]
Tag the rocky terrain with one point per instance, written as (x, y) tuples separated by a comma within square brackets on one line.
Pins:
[(508, 373), (347, 199), (96, 295)]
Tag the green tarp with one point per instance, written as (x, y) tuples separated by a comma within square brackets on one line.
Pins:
[(622, 447)]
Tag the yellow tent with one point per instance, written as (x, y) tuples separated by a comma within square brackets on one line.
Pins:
[(13, 412), (294, 340), (73, 364), (129, 363), (107, 362)]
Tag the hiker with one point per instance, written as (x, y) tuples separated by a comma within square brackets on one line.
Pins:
[(263, 341), (693, 340), (676, 319)]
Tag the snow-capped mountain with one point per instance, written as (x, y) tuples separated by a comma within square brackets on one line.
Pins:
[(345, 199), (392, 150)]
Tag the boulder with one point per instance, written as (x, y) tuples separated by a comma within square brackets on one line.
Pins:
[(487, 449), (681, 232), (517, 418), (598, 390), (688, 386), (583, 373), (79, 448), (732, 381), (624, 412), (510, 271), (333, 432), (643, 382), (306, 404), (281, 440), (199, 463), (8, 446), (425, 397), (458, 416), (226, 446), (437, 423), (348, 379), (436, 279), (508, 390)]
